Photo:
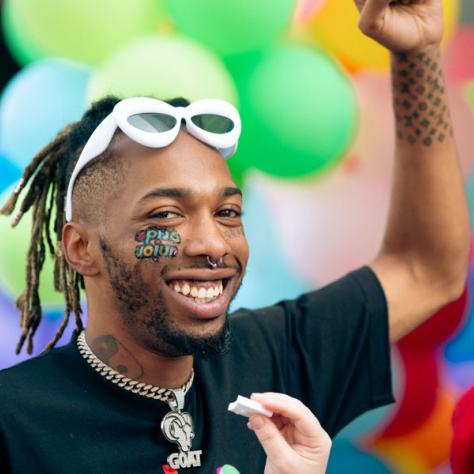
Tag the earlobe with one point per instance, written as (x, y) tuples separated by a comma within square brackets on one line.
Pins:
[(78, 249)]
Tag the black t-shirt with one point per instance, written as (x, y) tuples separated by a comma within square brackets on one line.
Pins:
[(328, 348)]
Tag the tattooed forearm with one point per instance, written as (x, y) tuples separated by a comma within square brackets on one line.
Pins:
[(109, 350), (420, 101)]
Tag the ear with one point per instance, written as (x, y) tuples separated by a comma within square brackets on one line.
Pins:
[(79, 250)]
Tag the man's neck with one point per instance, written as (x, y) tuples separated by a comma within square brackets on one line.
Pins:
[(119, 351)]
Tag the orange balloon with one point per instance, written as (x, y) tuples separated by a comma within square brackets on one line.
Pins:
[(335, 27), (431, 442)]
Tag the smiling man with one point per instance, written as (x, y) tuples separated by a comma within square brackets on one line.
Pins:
[(138, 206)]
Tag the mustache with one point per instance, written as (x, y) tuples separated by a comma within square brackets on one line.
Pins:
[(202, 265)]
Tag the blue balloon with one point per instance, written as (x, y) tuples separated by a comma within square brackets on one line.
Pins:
[(9, 173), (38, 102), (346, 457), (10, 331), (268, 278), (461, 348)]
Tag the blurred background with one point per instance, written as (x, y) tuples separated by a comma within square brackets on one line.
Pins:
[(314, 162)]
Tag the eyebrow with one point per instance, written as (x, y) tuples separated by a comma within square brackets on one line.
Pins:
[(185, 193), (232, 191)]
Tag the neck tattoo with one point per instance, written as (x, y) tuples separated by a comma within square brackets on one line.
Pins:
[(176, 425)]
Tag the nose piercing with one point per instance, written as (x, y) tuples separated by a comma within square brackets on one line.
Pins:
[(213, 264)]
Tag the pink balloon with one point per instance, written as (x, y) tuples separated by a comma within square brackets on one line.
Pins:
[(306, 9), (458, 65), (335, 223)]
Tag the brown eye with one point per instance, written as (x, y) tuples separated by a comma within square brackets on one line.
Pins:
[(164, 215), (230, 213)]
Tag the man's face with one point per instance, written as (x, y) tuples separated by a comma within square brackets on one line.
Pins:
[(178, 206)]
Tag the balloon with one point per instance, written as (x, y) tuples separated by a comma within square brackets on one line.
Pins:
[(335, 27), (13, 258), (261, 287), (298, 110), (345, 458), (231, 26), (461, 374), (86, 31), (9, 173), (431, 441), (467, 12), (458, 70), (10, 332), (163, 67), (306, 9), (461, 348), (340, 217), (38, 102)]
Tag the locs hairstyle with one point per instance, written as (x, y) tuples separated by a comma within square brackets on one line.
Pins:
[(45, 181)]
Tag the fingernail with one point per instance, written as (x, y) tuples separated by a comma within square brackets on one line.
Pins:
[(256, 422)]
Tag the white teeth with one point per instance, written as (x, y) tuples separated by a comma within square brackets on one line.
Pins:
[(201, 295)]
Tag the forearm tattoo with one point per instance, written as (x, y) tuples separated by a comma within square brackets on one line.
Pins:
[(420, 101)]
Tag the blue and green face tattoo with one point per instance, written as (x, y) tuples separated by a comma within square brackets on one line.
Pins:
[(155, 242)]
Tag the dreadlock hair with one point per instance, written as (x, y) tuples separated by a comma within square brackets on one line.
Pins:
[(48, 176)]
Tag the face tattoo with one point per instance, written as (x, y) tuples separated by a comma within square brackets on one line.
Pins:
[(155, 242)]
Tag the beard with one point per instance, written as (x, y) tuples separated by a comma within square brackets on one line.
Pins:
[(143, 310)]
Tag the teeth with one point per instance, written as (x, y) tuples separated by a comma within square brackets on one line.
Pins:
[(201, 295)]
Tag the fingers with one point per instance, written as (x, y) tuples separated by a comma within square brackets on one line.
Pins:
[(273, 443), (297, 413), (372, 16)]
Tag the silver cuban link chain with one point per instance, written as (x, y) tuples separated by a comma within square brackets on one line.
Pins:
[(151, 391)]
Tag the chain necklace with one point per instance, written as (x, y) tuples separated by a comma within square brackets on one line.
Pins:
[(176, 426)]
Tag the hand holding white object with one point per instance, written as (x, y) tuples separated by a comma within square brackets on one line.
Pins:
[(292, 438)]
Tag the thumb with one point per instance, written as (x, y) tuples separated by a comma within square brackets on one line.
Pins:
[(372, 16), (272, 441)]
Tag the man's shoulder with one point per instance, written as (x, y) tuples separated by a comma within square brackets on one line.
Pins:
[(35, 371)]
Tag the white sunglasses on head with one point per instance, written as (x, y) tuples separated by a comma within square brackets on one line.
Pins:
[(155, 123)]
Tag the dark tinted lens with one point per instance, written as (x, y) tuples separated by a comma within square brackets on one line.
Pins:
[(213, 123), (152, 122)]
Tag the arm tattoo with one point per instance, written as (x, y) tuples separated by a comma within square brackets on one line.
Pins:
[(420, 101)]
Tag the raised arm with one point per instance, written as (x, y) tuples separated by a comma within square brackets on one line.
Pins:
[(422, 263)]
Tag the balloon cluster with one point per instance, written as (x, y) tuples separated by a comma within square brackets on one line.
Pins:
[(314, 159)]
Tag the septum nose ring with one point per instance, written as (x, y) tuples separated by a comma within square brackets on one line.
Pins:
[(213, 264)]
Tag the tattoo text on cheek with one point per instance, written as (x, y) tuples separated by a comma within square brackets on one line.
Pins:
[(155, 242)]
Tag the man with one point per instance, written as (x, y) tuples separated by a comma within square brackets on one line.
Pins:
[(154, 234)]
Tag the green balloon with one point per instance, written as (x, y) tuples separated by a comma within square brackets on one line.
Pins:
[(231, 26), (299, 112), (164, 67), (85, 31), (13, 258)]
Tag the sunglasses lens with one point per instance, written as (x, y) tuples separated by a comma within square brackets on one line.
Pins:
[(213, 123), (152, 122)]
